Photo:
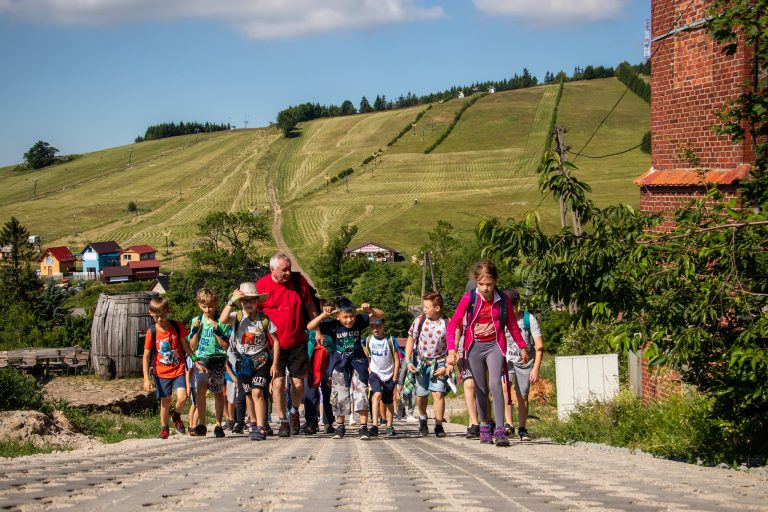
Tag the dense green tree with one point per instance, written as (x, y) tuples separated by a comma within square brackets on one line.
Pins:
[(382, 286), (336, 273), (40, 155), (380, 103), (347, 108), (229, 243), (365, 106), (17, 278)]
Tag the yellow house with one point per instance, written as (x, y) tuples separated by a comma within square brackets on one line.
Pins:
[(57, 260)]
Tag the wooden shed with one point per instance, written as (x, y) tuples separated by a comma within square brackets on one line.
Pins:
[(119, 324)]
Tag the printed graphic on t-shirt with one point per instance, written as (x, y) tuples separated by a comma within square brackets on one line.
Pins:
[(348, 339), (166, 354), (432, 341)]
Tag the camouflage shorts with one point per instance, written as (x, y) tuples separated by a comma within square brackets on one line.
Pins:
[(346, 399)]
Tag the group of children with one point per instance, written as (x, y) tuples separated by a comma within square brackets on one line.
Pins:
[(235, 356)]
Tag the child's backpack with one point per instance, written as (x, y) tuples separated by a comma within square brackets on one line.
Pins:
[(153, 333), (246, 370), (393, 351)]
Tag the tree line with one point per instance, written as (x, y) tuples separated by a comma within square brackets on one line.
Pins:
[(164, 130)]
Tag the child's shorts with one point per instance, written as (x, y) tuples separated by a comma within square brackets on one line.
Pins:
[(425, 385), (214, 379), (193, 394), (346, 399), (386, 388), (521, 377), (165, 387), (260, 380), (231, 391)]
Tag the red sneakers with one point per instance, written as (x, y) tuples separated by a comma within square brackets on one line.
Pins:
[(164, 433), (176, 417)]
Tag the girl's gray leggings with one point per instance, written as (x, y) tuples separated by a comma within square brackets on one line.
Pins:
[(486, 358)]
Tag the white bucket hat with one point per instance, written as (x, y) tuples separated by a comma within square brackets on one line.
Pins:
[(250, 292)]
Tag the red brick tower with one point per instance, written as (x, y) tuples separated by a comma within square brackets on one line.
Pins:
[(691, 78)]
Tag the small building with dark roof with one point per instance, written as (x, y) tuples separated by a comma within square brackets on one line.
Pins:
[(144, 270), (376, 252), (161, 284), (117, 274)]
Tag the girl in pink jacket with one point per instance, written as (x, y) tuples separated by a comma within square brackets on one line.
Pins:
[(485, 344)]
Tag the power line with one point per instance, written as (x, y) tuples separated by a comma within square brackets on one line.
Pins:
[(610, 154), (605, 118)]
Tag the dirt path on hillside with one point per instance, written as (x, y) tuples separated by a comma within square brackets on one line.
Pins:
[(277, 232)]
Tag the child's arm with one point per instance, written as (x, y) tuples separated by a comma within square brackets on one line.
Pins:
[(220, 333), (538, 343), (194, 334), (315, 322), (372, 312), (231, 373), (408, 361), (145, 368), (275, 369), (234, 301), (396, 374)]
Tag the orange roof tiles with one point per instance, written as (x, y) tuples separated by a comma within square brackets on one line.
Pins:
[(688, 177)]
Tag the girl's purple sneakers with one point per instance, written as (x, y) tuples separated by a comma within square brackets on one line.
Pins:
[(485, 433), (500, 436)]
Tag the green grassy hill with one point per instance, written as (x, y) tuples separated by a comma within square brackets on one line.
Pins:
[(485, 167)]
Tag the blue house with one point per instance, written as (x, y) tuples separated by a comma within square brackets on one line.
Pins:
[(99, 255)]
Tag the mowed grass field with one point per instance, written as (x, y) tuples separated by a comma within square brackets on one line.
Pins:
[(485, 168)]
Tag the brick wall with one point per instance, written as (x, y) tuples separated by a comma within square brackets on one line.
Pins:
[(669, 198), (690, 80), (658, 383)]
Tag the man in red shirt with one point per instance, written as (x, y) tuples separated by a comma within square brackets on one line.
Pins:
[(285, 306)]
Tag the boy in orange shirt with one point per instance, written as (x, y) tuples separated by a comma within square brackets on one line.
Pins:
[(165, 347)]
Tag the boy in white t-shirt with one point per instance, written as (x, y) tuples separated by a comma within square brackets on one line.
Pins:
[(522, 374), (428, 364), (383, 367)]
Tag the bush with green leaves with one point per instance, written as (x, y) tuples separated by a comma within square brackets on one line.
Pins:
[(19, 391)]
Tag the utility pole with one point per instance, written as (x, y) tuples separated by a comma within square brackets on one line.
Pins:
[(562, 150)]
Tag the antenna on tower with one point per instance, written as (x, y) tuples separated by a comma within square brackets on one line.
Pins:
[(647, 45), (245, 122)]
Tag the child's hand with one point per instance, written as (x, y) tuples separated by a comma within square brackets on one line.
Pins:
[(273, 370), (147, 385), (534, 375), (200, 367), (196, 323), (441, 372), (320, 339), (214, 325), (237, 295), (366, 307), (524, 356), (411, 368), (327, 310)]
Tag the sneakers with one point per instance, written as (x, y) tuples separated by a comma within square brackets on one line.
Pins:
[(363, 432), (485, 433), (295, 421), (500, 437), (523, 433), (228, 425), (329, 429), (237, 428), (199, 431), (284, 430), (374, 431), (473, 432), (268, 430), (310, 429), (176, 417), (439, 430), (423, 428), (339, 432), (509, 429), (257, 433), (391, 432), (218, 431), (164, 433), (411, 419)]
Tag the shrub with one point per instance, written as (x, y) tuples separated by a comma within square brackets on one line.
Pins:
[(19, 391), (645, 145), (554, 325)]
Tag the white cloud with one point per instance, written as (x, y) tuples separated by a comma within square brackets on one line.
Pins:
[(258, 19), (553, 12)]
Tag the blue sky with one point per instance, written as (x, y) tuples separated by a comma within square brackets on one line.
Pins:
[(86, 75)]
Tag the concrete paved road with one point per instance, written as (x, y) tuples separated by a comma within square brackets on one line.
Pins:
[(318, 473)]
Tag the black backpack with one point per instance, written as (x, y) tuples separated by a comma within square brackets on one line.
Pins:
[(503, 307)]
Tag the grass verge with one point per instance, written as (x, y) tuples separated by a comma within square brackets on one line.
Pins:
[(18, 449)]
